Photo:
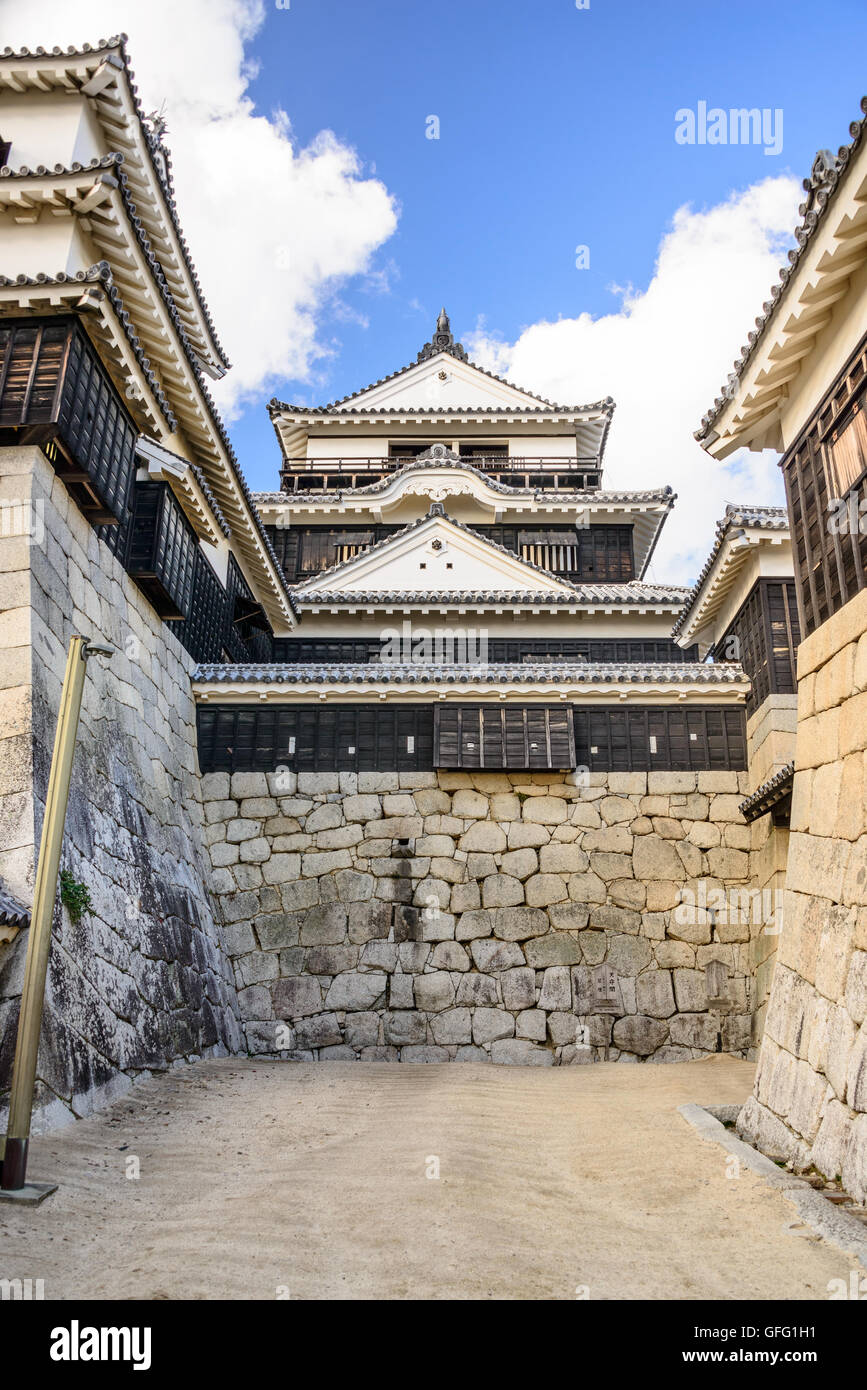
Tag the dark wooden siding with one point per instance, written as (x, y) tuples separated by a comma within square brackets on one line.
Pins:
[(161, 550), (202, 632), (652, 738), (54, 391), (827, 501), (387, 738), (500, 649), (345, 738), (496, 737), (764, 637), (593, 553)]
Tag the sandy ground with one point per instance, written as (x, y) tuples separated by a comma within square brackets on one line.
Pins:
[(259, 1177)]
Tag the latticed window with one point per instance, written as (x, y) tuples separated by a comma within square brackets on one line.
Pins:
[(847, 452)]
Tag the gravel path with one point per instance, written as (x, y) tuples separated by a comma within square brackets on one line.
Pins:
[(260, 1176)]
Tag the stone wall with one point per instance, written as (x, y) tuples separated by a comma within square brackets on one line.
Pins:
[(141, 980), (810, 1099), (436, 917), (770, 746)]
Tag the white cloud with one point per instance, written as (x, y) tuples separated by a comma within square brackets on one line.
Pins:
[(272, 229), (663, 356)]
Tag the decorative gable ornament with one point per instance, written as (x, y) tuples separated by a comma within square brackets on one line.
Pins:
[(443, 340)]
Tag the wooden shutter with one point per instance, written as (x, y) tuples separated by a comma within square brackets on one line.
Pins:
[(503, 736)]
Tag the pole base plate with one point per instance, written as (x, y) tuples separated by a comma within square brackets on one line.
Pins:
[(30, 1195)]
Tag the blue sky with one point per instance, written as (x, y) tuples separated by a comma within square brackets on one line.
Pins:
[(556, 129)]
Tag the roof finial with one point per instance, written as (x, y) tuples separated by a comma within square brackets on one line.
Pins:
[(443, 341)]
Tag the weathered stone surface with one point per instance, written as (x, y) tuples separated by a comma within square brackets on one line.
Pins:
[(654, 994), (491, 1024), (556, 948), (404, 1027), (531, 1023), (655, 858), (484, 836), (490, 956), (452, 1026), (517, 1052), (499, 890), (544, 889), (324, 926), (449, 955), (556, 988), (297, 997), (475, 989), (518, 988), (640, 1034), (356, 990), (434, 992), (518, 923)]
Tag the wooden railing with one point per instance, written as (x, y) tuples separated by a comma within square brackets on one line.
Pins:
[(336, 474)]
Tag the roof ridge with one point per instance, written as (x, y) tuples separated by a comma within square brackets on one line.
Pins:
[(608, 401)]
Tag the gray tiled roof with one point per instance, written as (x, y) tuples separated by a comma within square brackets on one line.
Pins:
[(530, 673), (100, 273), (820, 187), (12, 912), (669, 595), (153, 146), (584, 495), (768, 518), (768, 794), (211, 500), (604, 407)]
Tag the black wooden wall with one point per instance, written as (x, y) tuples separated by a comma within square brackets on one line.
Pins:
[(420, 737)]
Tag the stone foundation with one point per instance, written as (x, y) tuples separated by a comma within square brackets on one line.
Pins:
[(770, 746), (439, 917), (141, 980), (810, 1100)]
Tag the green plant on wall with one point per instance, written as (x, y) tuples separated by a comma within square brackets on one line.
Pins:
[(75, 896)]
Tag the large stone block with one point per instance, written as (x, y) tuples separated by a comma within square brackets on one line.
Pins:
[(491, 1024), (484, 837), (404, 1027), (296, 998), (500, 890), (544, 810), (556, 991), (655, 858), (492, 956), (434, 992), (519, 1052), (474, 990), (638, 1033), (654, 994), (452, 1026)]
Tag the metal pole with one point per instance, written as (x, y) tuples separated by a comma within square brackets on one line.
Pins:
[(44, 896)]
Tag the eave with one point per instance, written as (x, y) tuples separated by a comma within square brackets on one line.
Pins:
[(831, 246), (587, 683), (769, 794), (102, 75), (739, 535), (94, 295), (646, 511)]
